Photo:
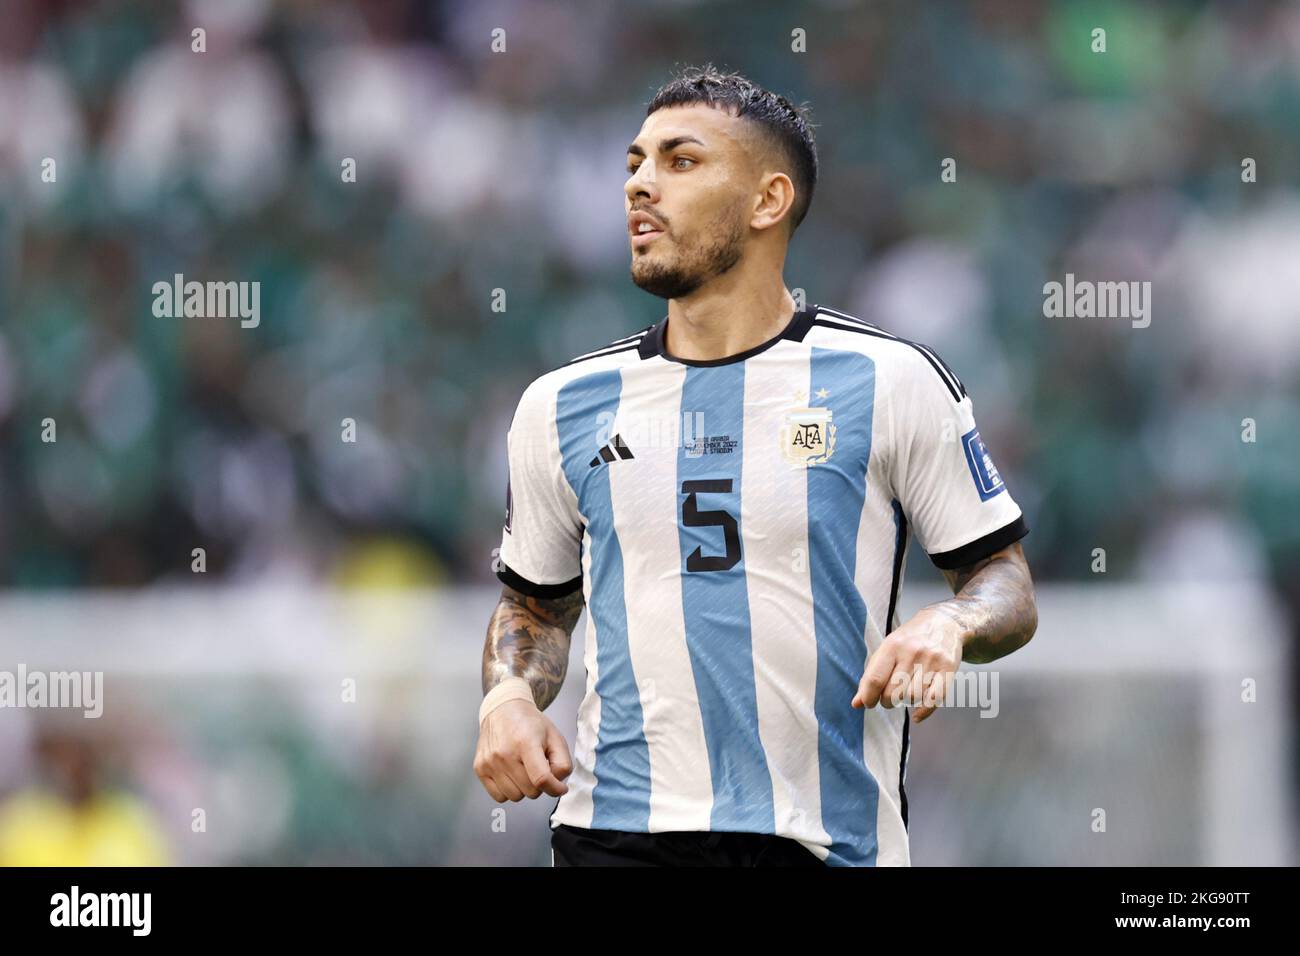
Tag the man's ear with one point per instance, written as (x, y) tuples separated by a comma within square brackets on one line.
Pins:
[(775, 201)]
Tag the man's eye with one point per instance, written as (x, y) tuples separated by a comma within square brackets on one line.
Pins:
[(682, 159)]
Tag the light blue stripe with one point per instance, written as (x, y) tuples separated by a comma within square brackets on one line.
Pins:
[(584, 409), (715, 605), (836, 491)]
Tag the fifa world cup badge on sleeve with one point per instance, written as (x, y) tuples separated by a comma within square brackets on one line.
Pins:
[(987, 480)]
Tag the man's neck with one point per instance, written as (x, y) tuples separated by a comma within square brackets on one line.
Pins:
[(715, 323)]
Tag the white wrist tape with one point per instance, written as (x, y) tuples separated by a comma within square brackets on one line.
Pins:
[(512, 688)]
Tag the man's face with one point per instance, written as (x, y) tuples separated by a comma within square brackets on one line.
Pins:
[(691, 179)]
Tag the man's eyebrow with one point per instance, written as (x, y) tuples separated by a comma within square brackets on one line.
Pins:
[(664, 145)]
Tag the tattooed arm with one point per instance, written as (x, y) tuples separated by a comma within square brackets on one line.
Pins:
[(994, 605), (528, 637), (992, 614), (521, 753)]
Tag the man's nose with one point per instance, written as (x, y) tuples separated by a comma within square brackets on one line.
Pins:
[(642, 183)]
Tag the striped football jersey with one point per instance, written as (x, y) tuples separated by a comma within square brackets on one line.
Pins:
[(739, 529)]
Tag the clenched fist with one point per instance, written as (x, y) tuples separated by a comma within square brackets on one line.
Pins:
[(521, 753)]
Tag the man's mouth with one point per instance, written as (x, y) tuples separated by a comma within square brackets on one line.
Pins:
[(645, 235), (643, 228)]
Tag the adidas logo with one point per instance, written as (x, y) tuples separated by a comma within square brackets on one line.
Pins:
[(616, 445)]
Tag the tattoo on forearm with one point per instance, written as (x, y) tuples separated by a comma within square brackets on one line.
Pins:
[(528, 637), (994, 604)]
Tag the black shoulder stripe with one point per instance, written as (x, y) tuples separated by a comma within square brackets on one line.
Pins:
[(844, 315), (619, 345), (938, 358), (877, 333), (628, 338), (595, 355)]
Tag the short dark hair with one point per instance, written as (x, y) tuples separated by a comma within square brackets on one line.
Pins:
[(787, 126)]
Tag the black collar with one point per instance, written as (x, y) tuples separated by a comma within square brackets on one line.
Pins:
[(652, 343)]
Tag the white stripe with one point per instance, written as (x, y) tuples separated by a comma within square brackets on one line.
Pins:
[(774, 508), (643, 492), (882, 729), (575, 806), (882, 749)]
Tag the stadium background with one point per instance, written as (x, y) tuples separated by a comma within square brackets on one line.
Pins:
[(477, 170)]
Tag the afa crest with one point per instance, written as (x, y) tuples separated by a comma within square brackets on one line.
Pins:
[(808, 436)]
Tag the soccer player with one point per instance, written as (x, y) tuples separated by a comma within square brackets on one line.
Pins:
[(731, 494)]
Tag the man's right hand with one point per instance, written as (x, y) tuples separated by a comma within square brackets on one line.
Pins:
[(521, 753)]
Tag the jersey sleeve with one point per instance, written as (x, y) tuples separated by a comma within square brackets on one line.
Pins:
[(541, 542), (942, 474)]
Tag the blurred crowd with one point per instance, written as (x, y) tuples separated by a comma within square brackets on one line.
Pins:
[(488, 140), (479, 171)]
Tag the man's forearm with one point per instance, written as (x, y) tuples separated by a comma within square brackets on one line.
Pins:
[(529, 637), (994, 605)]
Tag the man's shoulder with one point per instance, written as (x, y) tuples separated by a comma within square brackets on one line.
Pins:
[(602, 358), (903, 359)]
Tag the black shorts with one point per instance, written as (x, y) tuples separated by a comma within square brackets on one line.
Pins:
[(579, 846)]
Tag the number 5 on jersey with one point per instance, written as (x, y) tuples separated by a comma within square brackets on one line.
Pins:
[(693, 517)]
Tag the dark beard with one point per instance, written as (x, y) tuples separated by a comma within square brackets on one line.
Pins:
[(679, 279)]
